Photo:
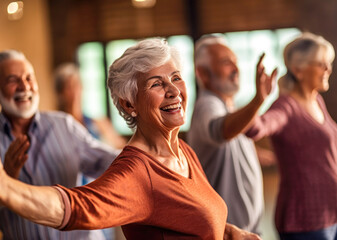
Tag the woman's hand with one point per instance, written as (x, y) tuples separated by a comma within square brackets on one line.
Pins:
[(234, 233), (16, 156), (264, 83)]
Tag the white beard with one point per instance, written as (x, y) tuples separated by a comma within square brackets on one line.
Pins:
[(226, 87), (26, 110)]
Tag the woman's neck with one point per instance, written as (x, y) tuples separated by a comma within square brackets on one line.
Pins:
[(160, 143), (304, 94), (308, 100), (164, 148)]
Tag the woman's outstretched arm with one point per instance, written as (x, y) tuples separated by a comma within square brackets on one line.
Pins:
[(40, 204)]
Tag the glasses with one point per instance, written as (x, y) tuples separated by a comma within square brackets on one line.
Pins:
[(322, 65)]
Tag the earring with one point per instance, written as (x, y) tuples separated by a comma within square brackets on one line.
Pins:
[(133, 114)]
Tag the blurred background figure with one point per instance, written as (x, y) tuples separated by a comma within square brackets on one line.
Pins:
[(304, 138), (228, 157), (68, 88)]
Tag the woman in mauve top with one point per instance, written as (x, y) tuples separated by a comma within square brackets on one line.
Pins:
[(304, 138), (156, 188)]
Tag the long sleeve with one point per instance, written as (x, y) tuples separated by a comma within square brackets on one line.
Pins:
[(272, 122), (101, 203), (149, 200), (306, 154)]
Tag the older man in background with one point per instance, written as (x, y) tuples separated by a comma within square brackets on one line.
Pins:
[(60, 147), (228, 157)]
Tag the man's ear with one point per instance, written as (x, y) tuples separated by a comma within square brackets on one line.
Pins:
[(204, 75), (126, 105)]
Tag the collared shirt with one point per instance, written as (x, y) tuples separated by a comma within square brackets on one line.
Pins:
[(59, 148), (232, 166)]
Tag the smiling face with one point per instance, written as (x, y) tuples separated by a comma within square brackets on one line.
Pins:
[(161, 99), (19, 96)]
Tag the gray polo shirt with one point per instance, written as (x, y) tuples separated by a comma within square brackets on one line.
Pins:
[(231, 166)]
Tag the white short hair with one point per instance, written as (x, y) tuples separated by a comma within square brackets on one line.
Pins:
[(11, 54), (300, 52), (140, 58)]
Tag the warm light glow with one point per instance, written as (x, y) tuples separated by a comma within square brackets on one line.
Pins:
[(15, 10), (12, 8), (143, 3)]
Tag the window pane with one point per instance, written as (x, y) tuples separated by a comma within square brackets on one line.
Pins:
[(90, 57), (114, 50)]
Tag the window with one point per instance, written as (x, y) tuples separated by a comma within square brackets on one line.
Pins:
[(247, 45), (91, 60)]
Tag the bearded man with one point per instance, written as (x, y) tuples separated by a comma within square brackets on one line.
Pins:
[(59, 146), (228, 157)]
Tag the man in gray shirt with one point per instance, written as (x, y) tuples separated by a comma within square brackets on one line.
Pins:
[(228, 157)]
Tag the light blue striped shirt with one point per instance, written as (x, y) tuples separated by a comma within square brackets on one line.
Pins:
[(60, 147)]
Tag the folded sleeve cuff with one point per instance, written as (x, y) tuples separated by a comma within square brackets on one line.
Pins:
[(67, 208)]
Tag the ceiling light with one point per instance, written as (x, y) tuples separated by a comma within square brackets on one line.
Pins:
[(15, 10), (143, 3)]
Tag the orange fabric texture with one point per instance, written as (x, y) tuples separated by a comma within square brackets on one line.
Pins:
[(149, 200)]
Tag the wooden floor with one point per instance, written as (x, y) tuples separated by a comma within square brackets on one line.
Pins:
[(270, 184)]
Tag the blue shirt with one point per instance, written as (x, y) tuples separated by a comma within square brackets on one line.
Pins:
[(60, 147)]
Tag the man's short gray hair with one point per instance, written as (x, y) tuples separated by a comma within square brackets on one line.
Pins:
[(11, 54), (140, 58)]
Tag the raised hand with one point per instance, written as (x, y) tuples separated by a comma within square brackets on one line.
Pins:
[(16, 156), (264, 83)]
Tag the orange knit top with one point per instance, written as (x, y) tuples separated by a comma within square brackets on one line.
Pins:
[(149, 200)]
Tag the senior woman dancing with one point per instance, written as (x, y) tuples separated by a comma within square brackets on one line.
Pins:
[(305, 142), (156, 188)]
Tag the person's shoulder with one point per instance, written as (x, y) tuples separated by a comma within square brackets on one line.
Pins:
[(187, 148), (56, 115), (131, 158), (131, 152), (284, 100), (209, 104), (208, 96), (59, 119), (183, 144)]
